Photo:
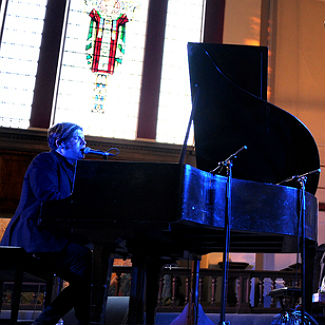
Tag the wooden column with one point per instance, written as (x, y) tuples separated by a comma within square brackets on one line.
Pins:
[(151, 74), (214, 21), (48, 63)]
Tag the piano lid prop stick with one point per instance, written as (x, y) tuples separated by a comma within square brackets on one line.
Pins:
[(194, 104)]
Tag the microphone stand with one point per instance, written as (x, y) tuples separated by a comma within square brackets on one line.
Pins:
[(302, 200), (302, 179), (228, 164)]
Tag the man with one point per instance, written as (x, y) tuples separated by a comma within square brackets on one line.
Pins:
[(50, 176)]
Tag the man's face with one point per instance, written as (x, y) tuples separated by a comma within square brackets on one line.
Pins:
[(73, 147)]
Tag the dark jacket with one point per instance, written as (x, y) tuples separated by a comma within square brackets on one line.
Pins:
[(48, 177)]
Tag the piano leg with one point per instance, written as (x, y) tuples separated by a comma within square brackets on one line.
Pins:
[(101, 277), (144, 289), (136, 304), (152, 287)]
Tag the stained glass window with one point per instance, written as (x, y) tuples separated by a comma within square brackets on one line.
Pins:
[(184, 24), (100, 80), (100, 72), (18, 56)]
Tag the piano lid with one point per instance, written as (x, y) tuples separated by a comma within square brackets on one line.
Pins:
[(228, 86)]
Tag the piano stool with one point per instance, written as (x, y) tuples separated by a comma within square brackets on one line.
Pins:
[(17, 266)]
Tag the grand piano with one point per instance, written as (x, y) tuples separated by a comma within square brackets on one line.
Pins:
[(165, 211)]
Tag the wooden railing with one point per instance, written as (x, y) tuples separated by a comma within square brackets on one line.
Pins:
[(247, 289)]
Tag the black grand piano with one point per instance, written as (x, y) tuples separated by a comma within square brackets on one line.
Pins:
[(164, 211)]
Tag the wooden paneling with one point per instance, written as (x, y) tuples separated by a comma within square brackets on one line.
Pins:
[(18, 147), (12, 170)]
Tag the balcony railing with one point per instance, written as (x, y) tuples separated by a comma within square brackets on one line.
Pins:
[(247, 289)]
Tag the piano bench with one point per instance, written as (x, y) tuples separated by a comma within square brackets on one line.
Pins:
[(288, 296), (18, 267)]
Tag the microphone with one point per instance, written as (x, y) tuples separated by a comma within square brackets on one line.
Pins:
[(224, 163), (297, 177), (88, 150)]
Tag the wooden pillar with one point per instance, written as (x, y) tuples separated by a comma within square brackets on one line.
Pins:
[(265, 22), (151, 74), (214, 21), (48, 63)]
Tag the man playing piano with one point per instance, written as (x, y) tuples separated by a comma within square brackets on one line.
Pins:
[(50, 176)]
